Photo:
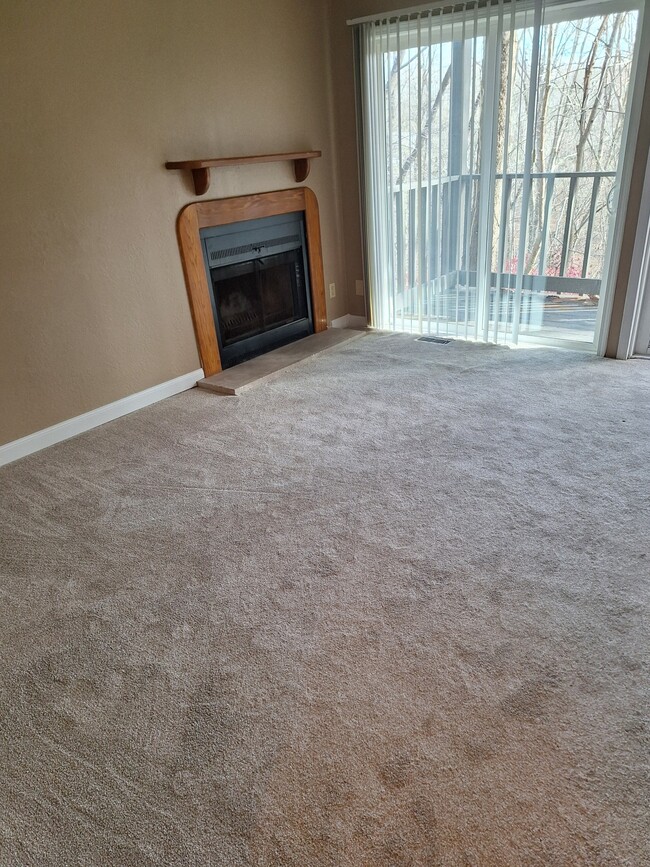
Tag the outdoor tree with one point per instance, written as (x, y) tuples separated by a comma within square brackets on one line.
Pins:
[(581, 89)]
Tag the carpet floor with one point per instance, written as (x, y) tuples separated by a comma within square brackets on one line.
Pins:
[(388, 609)]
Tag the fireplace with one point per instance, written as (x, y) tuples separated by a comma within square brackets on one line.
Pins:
[(258, 277), (266, 287)]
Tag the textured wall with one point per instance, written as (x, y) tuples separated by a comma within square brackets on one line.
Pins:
[(346, 148), (96, 95), (346, 131)]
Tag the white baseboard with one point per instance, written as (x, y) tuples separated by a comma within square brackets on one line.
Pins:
[(71, 427), (350, 321)]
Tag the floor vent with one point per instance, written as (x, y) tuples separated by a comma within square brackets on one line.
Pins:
[(441, 340)]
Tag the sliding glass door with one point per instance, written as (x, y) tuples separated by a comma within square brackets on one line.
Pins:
[(492, 141)]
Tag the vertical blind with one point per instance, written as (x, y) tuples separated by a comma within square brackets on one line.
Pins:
[(492, 132)]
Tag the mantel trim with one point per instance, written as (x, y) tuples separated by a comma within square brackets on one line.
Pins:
[(220, 212)]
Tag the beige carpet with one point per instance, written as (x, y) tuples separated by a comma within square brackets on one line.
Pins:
[(385, 610)]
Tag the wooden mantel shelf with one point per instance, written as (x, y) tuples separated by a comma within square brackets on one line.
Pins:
[(201, 168)]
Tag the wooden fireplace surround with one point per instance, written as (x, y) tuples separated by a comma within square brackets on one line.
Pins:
[(220, 212)]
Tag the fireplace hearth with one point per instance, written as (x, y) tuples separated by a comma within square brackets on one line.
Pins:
[(258, 277)]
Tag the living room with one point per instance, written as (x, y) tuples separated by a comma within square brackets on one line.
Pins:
[(380, 599)]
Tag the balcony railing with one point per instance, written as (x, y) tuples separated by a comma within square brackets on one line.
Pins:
[(433, 254)]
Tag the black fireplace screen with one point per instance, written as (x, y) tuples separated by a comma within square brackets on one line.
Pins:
[(258, 276), (259, 295)]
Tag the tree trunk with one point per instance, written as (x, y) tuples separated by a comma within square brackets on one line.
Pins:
[(425, 131)]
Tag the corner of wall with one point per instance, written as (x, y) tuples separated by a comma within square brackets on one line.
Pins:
[(341, 110)]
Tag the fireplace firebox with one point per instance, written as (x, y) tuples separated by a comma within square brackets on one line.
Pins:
[(258, 277)]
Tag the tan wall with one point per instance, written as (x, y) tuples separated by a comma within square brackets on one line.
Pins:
[(346, 148), (345, 122), (96, 95)]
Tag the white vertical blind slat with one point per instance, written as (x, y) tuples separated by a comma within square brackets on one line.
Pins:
[(505, 190), (526, 181)]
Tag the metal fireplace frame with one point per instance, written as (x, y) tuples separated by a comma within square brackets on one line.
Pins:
[(244, 243)]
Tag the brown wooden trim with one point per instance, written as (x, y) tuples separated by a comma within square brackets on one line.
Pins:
[(201, 168), (220, 212), (315, 252), (201, 178), (196, 281), (301, 169)]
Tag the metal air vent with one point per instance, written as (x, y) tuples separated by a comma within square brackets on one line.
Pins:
[(426, 339), (228, 253)]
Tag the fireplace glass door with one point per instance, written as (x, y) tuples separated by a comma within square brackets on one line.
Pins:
[(259, 295), (259, 285)]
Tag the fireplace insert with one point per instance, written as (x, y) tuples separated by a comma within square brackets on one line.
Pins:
[(258, 276)]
